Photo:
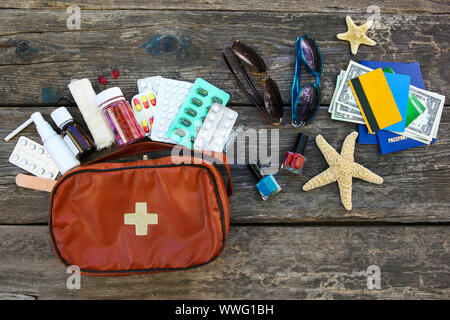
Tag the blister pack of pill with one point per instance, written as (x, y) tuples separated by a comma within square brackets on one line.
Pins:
[(171, 94), (216, 128), (144, 109), (189, 119), (32, 157), (149, 84)]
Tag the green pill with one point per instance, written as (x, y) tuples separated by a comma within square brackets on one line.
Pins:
[(191, 112), (202, 92), (197, 102), (180, 132), (185, 122), (218, 100)]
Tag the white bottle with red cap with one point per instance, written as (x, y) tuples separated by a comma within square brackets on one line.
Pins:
[(55, 145)]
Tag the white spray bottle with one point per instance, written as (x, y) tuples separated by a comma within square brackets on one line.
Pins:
[(55, 146)]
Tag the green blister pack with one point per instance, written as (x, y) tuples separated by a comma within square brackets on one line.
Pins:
[(186, 125)]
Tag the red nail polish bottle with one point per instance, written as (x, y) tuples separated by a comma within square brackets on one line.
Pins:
[(295, 160)]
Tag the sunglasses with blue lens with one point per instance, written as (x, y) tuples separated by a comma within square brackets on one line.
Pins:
[(305, 101)]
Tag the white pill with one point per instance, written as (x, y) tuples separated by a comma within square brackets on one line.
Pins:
[(24, 142), (41, 151), (32, 166), (24, 161), (49, 175), (32, 146), (41, 171), (15, 157)]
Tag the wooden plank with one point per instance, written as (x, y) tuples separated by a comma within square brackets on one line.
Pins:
[(415, 179), (233, 5), (258, 263), (39, 58)]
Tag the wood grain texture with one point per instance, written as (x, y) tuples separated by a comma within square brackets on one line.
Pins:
[(39, 58), (258, 263), (359, 6), (415, 179)]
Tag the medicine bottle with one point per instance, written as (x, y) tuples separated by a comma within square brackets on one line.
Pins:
[(119, 115), (73, 134), (54, 145)]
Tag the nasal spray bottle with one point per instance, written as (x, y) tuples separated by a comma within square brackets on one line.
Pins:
[(55, 145)]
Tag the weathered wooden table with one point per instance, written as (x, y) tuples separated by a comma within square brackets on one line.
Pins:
[(297, 245)]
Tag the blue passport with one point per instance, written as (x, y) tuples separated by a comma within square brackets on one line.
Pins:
[(365, 137), (411, 69), (389, 141)]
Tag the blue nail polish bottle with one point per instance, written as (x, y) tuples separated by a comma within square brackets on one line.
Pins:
[(267, 185)]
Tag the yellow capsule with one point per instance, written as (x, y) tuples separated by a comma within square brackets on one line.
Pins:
[(145, 102), (152, 99), (145, 126), (137, 104)]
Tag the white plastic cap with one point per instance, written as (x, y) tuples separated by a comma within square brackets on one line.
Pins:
[(107, 94), (61, 116)]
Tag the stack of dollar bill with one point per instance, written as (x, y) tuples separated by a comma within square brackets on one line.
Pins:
[(343, 106)]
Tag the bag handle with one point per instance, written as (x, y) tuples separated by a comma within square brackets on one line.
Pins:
[(152, 146)]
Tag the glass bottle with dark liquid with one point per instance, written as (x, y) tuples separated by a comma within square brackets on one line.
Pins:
[(73, 134)]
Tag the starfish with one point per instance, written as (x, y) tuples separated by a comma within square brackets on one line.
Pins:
[(356, 35), (342, 169)]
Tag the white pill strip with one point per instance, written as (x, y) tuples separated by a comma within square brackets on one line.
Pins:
[(149, 84), (216, 128), (32, 157), (171, 95)]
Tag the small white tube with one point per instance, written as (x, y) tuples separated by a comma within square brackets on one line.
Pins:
[(20, 128)]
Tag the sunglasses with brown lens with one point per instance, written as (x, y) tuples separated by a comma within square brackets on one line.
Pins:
[(240, 57)]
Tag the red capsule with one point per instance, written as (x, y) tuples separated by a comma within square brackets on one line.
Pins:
[(115, 73), (145, 126), (151, 121), (152, 99), (102, 80), (145, 102)]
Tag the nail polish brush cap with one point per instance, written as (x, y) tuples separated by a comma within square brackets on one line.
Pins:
[(300, 143), (256, 169)]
